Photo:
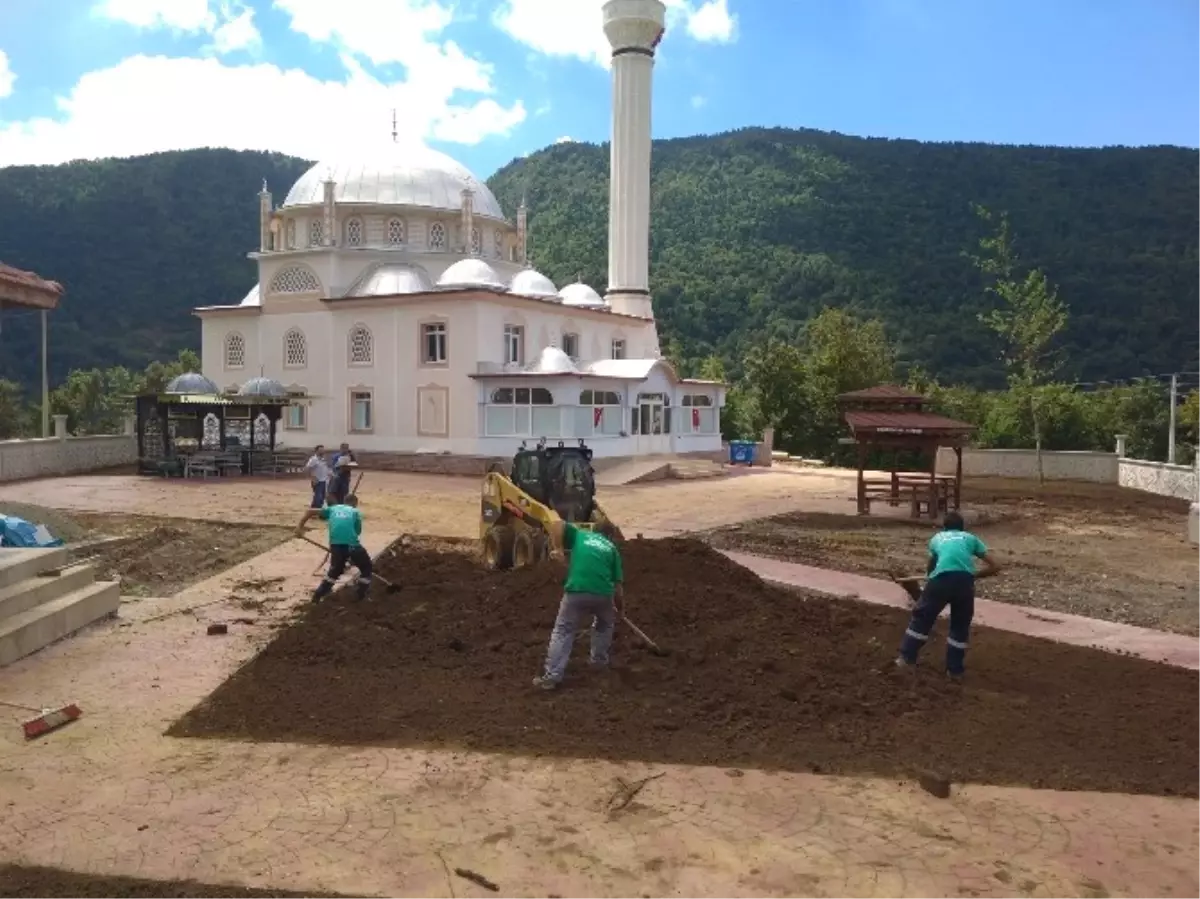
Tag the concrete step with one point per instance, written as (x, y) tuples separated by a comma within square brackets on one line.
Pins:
[(24, 595), (688, 469), (43, 624), (20, 564), (637, 471)]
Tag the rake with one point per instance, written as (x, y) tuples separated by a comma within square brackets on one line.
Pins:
[(47, 719)]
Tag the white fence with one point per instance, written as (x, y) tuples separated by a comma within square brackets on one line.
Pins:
[(1101, 468), (60, 455)]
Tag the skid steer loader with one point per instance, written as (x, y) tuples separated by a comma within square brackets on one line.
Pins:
[(543, 485)]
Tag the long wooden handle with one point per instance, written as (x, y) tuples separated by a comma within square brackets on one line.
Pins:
[(642, 634), (320, 546)]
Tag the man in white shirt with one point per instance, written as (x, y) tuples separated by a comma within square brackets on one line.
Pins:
[(318, 474)]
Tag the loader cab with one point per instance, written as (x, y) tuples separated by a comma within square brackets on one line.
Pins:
[(559, 477)]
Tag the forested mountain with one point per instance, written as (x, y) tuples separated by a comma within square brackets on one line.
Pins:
[(753, 233)]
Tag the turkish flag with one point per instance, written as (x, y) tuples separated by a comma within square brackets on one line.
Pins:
[(696, 418), (597, 414)]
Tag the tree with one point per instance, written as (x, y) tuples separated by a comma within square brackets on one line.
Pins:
[(1028, 319), (14, 415)]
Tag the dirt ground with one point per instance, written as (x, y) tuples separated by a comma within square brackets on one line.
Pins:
[(756, 677), (152, 556), (1086, 549), (21, 880)]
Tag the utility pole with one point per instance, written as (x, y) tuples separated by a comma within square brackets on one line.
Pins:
[(1171, 431)]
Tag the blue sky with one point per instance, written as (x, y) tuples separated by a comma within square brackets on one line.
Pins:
[(487, 81)]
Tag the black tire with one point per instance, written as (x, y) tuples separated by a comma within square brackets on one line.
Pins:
[(524, 551), (498, 548)]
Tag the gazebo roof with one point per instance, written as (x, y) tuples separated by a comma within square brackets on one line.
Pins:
[(22, 288), (866, 424)]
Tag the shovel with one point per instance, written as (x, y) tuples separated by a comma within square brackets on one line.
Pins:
[(391, 588), (654, 647)]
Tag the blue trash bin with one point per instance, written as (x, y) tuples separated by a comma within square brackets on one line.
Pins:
[(741, 452)]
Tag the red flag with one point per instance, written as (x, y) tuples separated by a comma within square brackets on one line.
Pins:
[(597, 414), (696, 418)]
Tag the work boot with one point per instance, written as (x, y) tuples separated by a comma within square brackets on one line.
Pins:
[(955, 677), (544, 683)]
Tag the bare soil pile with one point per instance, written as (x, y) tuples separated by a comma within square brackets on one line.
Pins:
[(24, 880), (757, 677)]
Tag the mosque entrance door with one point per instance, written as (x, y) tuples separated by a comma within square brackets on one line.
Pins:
[(653, 424)]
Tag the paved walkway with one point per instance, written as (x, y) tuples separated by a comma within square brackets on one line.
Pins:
[(1159, 646), (110, 794)]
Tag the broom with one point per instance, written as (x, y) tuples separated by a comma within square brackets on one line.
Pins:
[(47, 719)]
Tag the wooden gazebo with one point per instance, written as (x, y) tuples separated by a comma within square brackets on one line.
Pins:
[(894, 418), (29, 291)]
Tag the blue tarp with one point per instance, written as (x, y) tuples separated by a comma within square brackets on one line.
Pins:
[(20, 533)]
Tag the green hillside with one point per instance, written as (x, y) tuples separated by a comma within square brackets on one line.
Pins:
[(753, 233)]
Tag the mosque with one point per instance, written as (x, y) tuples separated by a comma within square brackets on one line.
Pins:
[(397, 307)]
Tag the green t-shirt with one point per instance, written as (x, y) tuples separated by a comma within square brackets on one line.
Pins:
[(345, 524), (595, 565), (955, 551)]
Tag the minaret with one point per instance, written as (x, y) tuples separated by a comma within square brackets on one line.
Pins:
[(633, 29), (468, 221), (264, 218), (522, 231), (330, 219)]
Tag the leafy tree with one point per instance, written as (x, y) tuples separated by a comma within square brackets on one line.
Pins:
[(1028, 320), (14, 415)]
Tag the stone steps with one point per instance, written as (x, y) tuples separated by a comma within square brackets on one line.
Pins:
[(37, 609), (689, 469)]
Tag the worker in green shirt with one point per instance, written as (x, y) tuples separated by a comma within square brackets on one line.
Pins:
[(345, 528), (953, 552), (592, 590)]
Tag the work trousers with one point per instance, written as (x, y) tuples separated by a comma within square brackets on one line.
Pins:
[(955, 589), (573, 611), (339, 556), (318, 497)]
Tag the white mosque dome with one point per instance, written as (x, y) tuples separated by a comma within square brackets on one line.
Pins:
[(531, 283), (395, 175), (579, 294), (390, 278), (553, 361), (471, 273)]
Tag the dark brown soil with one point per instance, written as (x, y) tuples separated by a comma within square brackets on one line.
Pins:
[(1087, 549), (21, 880), (757, 677)]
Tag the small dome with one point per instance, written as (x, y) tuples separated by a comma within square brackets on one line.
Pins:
[(389, 278), (192, 382), (470, 273), (531, 283), (553, 361), (263, 387), (579, 294), (253, 298)]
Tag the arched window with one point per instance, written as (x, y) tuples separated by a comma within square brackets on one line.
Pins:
[(361, 345), (295, 349), (315, 233), (498, 244), (476, 243), (291, 234), (522, 412), (295, 279), (354, 233), (599, 414), (437, 236), (235, 350), (395, 232)]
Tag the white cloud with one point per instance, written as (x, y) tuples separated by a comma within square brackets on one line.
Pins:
[(230, 23), (711, 22), (147, 104), (237, 33), (698, 100), (7, 77), (572, 28), (178, 15), (565, 139)]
